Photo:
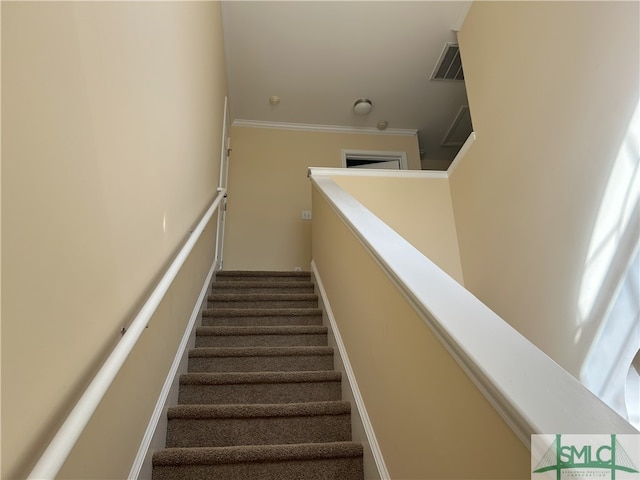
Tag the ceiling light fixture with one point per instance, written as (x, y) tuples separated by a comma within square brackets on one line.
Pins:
[(382, 124), (274, 100), (362, 106)]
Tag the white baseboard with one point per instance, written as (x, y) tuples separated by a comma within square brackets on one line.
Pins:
[(155, 435), (362, 430)]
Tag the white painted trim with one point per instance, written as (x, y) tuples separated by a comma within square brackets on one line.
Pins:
[(527, 389), (363, 172), (461, 153), (171, 382), (305, 127), (351, 379), (461, 18), (222, 184), (375, 154)]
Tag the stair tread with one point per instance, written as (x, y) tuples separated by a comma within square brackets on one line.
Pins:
[(263, 330), (256, 453), (261, 312), (261, 296), (260, 284), (229, 378), (261, 273), (200, 352), (259, 410)]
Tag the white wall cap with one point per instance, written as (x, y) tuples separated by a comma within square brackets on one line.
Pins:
[(532, 393)]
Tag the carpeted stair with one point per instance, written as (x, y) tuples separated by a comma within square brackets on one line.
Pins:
[(261, 399)]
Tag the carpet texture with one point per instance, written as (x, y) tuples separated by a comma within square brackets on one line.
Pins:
[(261, 399)]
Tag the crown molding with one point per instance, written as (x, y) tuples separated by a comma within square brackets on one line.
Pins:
[(323, 128)]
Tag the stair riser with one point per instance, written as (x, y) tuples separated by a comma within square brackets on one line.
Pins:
[(262, 304), (307, 340), (270, 289), (261, 321), (349, 468), (259, 393), (223, 432), (292, 363)]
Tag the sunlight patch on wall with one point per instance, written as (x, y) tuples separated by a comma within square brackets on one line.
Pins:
[(619, 202), (609, 299)]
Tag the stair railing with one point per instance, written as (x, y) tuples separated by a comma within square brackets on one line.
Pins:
[(65, 439)]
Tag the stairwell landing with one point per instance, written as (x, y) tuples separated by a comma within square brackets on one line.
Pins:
[(261, 399)]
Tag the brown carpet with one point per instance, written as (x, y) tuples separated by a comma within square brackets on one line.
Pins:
[(261, 399)]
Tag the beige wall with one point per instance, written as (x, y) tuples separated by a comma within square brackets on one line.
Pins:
[(430, 421), (428, 223), (268, 189), (111, 440), (112, 117), (552, 87)]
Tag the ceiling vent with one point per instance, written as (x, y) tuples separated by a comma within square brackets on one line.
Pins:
[(459, 130), (449, 66)]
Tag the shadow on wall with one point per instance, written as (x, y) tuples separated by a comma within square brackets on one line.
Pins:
[(609, 298)]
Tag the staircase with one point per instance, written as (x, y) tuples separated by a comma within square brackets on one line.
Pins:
[(261, 399)]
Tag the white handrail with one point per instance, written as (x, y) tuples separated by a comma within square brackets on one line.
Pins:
[(63, 442)]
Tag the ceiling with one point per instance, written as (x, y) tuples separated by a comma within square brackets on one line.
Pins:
[(320, 57)]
